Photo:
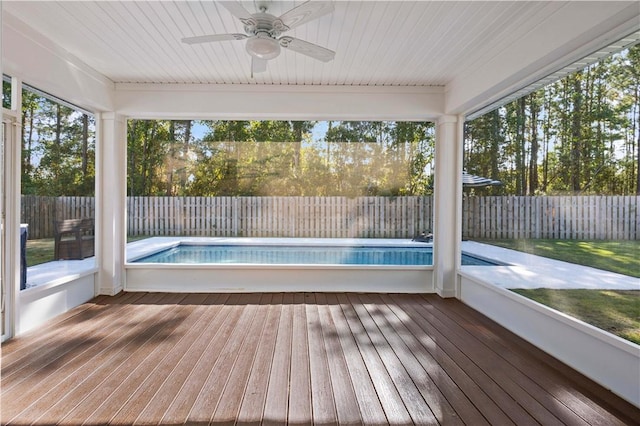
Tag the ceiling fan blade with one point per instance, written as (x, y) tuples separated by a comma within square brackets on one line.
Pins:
[(258, 65), (306, 12), (238, 11), (213, 37), (312, 50)]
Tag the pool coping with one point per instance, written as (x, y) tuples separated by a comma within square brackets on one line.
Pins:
[(524, 270), (139, 249)]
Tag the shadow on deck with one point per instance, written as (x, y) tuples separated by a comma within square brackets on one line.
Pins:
[(323, 358)]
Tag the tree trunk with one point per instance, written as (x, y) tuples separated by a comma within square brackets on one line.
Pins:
[(85, 145), (131, 154), (520, 147), (495, 144), (576, 134), (636, 126), (185, 156), (297, 146), (171, 160), (533, 158), (58, 151), (546, 136), (29, 141)]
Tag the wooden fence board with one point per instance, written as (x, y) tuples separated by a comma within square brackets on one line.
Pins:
[(557, 217)]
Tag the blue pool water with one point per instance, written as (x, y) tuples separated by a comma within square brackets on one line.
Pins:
[(300, 255)]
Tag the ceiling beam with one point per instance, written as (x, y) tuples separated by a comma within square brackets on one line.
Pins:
[(238, 102)]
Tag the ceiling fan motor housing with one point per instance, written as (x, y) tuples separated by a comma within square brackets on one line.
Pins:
[(264, 22)]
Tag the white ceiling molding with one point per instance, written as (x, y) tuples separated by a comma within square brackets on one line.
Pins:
[(235, 102)]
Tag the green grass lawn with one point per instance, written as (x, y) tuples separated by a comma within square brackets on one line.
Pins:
[(616, 311), (622, 257), (41, 251)]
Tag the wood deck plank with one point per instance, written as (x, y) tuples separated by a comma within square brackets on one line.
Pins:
[(490, 363), (550, 374), (255, 394), (483, 333), (73, 332), (228, 405), (122, 379), (65, 370), (164, 382), (131, 341), (208, 397), (439, 394), (322, 401), (413, 399), (201, 360), (300, 409), (371, 411), (293, 358), (391, 401), (458, 376), (609, 402), (106, 376), (534, 399), (126, 375), (346, 403), (464, 360), (39, 337), (276, 407)]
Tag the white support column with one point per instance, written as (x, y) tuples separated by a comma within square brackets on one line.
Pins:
[(12, 199), (447, 204), (111, 193)]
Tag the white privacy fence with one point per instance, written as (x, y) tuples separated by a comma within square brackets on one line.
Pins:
[(559, 217)]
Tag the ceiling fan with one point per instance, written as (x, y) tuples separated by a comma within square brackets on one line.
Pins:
[(263, 32)]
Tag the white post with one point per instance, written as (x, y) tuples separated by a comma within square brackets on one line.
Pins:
[(111, 160), (12, 199), (447, 204)]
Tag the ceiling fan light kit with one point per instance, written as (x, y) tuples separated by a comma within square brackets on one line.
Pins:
[(263, 47), (263, 32)]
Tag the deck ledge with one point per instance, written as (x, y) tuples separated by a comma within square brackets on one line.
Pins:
[(60, 280), (577, 324), (572, 341)]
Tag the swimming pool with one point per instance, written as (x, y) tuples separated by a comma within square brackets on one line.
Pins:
[(300, 255), (313, 269)]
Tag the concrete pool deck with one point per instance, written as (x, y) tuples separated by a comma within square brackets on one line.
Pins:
[(529, 271), (524, 270)]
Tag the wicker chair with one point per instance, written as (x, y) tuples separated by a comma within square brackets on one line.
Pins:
[(74, 239)]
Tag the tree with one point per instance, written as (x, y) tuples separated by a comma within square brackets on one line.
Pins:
[(626, 81), (58, 148), (148, 145), (237, 158), (484, 140), (578, 135)]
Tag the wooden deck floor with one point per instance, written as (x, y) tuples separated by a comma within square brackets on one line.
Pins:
[(290, 358)]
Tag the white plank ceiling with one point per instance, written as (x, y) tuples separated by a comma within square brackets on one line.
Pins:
[(377, 43)]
